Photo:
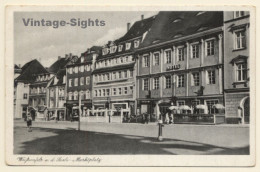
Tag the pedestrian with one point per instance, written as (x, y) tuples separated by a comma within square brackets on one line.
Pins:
[(167, 118), (29, 122), (146, 116)]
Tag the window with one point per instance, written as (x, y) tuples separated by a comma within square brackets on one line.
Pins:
[(180, 81), (108, 92), (114, 75), (210, 103), (156, 83), (70, 95), (240, 39), (70, 82), (146, 84), (114, 91), (99, 93), (70, 70), (120, 47), (241, 72), (75, 95), (105, 62), (113, 49), (156, 59), (119, 91), (104, 92), (239, 14), (195, 51), (168, 57), (104, 51), (128, 46), (131, 89), (108, 76), (96, 93), (168, 82), (81, 68), (87, 67), (125, 73), (136, 43), (76, 69), (76, 82), (211, 77), (87, 80), (146, 61), (181, 103), (131, 73), (195, 79), (210, 47), (87, 94), (126, 59), (103, 77), (119, 75), (25, 96), (125, 90), (81, 80), (121, 60), (195, 102), (180, 52)]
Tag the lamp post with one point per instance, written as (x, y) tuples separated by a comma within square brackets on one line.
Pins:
[(79, 110)]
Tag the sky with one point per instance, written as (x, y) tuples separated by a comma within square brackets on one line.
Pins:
[(46, 43)]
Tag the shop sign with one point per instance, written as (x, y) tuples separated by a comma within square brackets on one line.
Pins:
[(174, 67)]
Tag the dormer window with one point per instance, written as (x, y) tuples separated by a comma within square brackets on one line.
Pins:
[(113, 49), (128, 46), (202, 12), (104, 51), (136, 43), (82, 59), (176, 20), (55, 80), (120, 47), (238, 14)]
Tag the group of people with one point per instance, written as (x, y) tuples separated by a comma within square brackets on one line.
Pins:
[(168, 117)]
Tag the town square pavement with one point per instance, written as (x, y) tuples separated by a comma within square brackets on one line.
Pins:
[(113, 138)]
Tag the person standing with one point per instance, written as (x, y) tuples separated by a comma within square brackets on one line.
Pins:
[(29, 122)]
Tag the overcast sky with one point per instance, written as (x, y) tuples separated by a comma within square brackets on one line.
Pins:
[(47, 43)]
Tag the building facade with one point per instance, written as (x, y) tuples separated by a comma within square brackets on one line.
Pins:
[(236, 66), (115, 71), (183, 65), (79, 82)]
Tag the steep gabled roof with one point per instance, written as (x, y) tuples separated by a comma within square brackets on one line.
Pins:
[(29, 70), (60, 76), (171, 25), (138, 29), (59, 64)]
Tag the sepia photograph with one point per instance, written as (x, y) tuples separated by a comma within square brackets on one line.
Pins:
[(145, 83)]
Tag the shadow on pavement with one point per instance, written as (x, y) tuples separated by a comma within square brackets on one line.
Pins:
[(73, 142)]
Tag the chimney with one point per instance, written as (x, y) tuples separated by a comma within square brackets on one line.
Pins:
[(70, 55), (66, 56), (19, 65), (59, 57), (88, 50), (128, 26), (142, 17)]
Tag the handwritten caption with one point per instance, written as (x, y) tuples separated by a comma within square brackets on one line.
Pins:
[(61, 159)]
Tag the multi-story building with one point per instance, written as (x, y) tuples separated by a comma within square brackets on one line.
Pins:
[(56, 90), (22, 87), (236, 66), (181, 58), (114, 74), (79, 82)]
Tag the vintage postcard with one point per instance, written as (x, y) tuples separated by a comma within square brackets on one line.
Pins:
[(130, 86)]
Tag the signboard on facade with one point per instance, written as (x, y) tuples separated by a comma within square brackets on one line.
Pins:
[(173, 67)]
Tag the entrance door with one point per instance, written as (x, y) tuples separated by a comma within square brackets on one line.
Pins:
[(247, 111)]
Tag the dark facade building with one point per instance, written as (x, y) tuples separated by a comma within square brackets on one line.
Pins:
[(236, 66), (181, 61), (115, 71), (79, 82), (56, 89)]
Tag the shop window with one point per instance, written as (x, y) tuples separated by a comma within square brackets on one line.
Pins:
[(180, 103), (210, 103)]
